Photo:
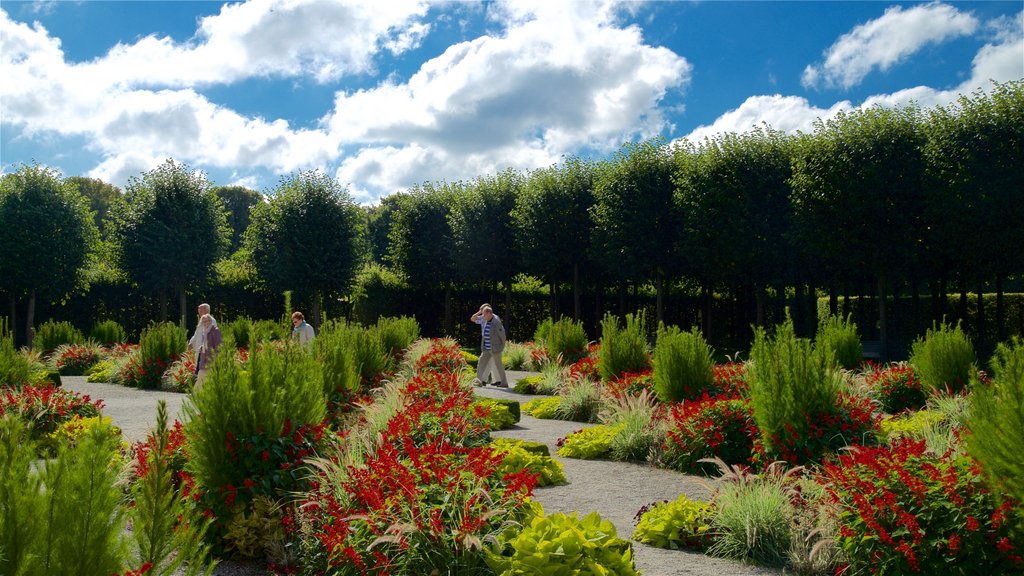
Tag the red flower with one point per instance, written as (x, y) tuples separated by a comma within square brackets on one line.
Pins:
[(954, 545)]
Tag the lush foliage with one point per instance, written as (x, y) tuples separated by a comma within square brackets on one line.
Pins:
[(516, 458), (396, 334), (75, 359), (683, 523), (838, 338), (108, 332), (623, 349), (543, 408), (51, 334), (589, 443), (903, 510), (944, 359), (563, 545), (682, 365), (580, 401), (897, 388), (44, 408), (159, 346), (751, 521), (563, 339), (996, 422), (709, 428), (498, 416)]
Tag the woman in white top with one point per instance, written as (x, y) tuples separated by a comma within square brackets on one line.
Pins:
[(301, 331)]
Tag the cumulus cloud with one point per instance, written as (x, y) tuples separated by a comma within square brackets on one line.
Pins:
[(887, 41), (786, 113)]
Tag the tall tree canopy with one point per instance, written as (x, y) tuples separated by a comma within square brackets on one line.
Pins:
[(47, 233), (238, 201), (104, 199), (171, 233), (306, 238), (553, 226), (636, 220)]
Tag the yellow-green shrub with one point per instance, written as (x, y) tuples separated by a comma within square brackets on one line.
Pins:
[(544, 408), (674, 525), (589, 443), (517, 457), (498, 416)]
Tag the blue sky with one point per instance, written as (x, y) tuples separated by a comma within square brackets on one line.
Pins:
[(384, 95)]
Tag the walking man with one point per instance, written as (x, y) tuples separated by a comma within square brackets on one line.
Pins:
[(492, 344)]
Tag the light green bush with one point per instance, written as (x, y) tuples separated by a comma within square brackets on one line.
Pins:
[(15, 367), (516, 457), (51, 334), (562, 545), (838, 338), (623, 349), (529, 384), (238, 332), (996, 422), (108, 333), (516, 356), (944, 359), (338, 364), (590, 443), (498, 417), (752, 521), (564, 339), (683, 365), (396, 334), (159, 346), (676, 525), (543, 408), (581, 401)]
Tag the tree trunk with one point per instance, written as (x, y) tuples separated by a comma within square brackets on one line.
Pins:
[(14, 319), (883, 333), (181, 307), (759, 304), (846, 299), (30, 331), (448, 309), (833, 297), (915, 304), (623, 292), (707, 298), (508, 305), (796, 310), (962, 312), (552, 299), (659, 287), (577, 310), (316, 310), (981, 311), (1000, 309), (163, 306)]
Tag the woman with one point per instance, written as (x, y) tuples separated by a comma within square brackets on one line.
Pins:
[(301, 331), (205, 344)]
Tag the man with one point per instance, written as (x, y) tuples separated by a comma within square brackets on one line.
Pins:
[(194, 341), (492, 344)]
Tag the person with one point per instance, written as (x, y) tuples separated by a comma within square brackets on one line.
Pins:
[(301, 331), (202, 310), (492, 344), (205, 344)]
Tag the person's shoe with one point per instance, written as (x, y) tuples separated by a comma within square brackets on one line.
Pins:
[(501, 385), (478, 382)]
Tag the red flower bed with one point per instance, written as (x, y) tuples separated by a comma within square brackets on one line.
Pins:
[(709, 428), (632, 384), (46, 407), (730, 379), (897, 388), (75, 359), (902, 510), (426, 498), (853, 422), (585, 368), (442, 358)]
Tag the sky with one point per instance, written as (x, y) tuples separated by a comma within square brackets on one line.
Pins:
[(384, 95)]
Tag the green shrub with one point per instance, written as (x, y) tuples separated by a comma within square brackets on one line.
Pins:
[(528, 445), (64, 516), (623, 349), (252, 427), (52, 377), (897, 388), (498, 415), (108, 333), (543, 408), (564, 339), (75, 359), (996, 422), (581, 401), (337, 356), (366, 348), (560, 544), (396, 334), (944, 359), (238, 332), (675, 525), (471, 359), (51, 334), (635, 437), (751, 522), (790, 385), (683, 365), (268, 330), (589, 443), (913, 425), (709, 428), (159, 346), (516, 356), (838, 339), (15, 367), (105, 370), (516, 458), (529, 384), (511, 405)]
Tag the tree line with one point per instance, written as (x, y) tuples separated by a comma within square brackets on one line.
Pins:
[(910, 201)]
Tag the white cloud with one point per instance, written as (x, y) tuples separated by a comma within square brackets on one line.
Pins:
[(1000, 61), (886, 41)]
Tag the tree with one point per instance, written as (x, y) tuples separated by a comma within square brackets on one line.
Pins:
[(733, 193), (306, 238), (635, 217), (421, 243), (553, 226), (482, 231), (859, 195), (379, 219), (46, 233), (975, 161), (238, 201), (171, 233), (104, 199)]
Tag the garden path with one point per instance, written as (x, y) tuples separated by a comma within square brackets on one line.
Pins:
[(616, 490)]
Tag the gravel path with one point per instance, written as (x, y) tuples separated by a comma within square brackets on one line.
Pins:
[(614, 489)]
